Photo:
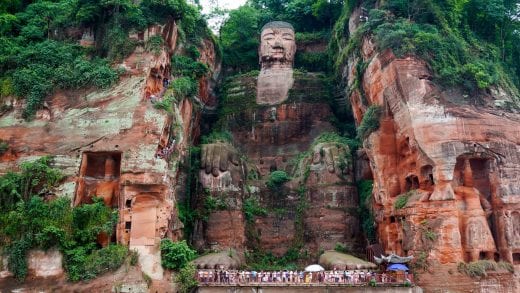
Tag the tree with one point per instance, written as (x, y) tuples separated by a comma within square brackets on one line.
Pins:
[(239, 37), (175, 255)]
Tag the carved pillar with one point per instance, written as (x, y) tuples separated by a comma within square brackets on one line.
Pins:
[(468, 174)]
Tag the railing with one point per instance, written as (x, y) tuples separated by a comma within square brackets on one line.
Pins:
[(338, 278)]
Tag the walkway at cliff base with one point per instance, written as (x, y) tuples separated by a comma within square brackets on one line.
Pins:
[(343, 271)]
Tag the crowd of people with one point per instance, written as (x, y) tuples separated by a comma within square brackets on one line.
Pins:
[(351, 277)]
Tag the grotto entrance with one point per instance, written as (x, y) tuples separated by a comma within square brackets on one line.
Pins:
[(99, 176)]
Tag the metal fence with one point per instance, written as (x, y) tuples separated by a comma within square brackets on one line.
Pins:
[(350, 278)]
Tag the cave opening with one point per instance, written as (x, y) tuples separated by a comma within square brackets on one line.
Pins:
[(516, 258), (412, 183), (427, 181)]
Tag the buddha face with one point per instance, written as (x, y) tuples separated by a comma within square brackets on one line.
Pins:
[(277, 47)]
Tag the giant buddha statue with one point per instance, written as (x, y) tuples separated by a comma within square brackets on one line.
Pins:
[(276, 54), (275, 118)]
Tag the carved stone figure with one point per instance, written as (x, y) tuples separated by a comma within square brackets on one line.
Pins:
[(107, 188), (331, 157), (220, 167), (277, 49)]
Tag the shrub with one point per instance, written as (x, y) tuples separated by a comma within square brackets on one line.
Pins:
[(155, 44), (370, 122), (277, 179), (104, 260), (175, 255), (134, 257), (212, 203), (185, 66), (252, 208), (479, 268), (186, 278), (343, 248), (217, 136), (4, 146), (365, 210), (401, 201), (185, 87)]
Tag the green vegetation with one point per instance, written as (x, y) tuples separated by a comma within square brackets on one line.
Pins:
[(187, 214), (252, 208), (186, 278), (27, 221), (4, 146), (240, 34), (277, 179), (212, 203), (259, 260), (479, 268), (365, 209), (39, 52), (176, 255), (370, 122), (155, 44), (343, 248), (39, 69), (402, 200), (318, 61), (217, 136), (339, 139), (468, 43)]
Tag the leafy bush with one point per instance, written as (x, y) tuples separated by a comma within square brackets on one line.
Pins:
[(260, 260), (175, 255), (36, 178), (155, 44), (370, 122), (277, 179), (401, 201), (343, 248), (217, 136), (186, 278), (212, 203), (27, 222), (4, 146), (365, 209), (85, 267), (186, 66), (481, 267), (49, 65), (311, 61), (252, 208), (185, 87)]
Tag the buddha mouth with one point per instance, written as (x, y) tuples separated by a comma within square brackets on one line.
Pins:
[(278, 50)]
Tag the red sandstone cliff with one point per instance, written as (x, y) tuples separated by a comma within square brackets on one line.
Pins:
[(108, 143), (458, 162)]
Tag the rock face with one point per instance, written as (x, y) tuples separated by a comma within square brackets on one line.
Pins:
[(273, 132), (458, 164), (116, 145)]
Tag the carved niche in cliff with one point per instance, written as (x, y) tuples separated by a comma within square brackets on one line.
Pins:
[(277, 49), (99, 176)]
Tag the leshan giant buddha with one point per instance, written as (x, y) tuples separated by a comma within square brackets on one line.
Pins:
[(276, 54)]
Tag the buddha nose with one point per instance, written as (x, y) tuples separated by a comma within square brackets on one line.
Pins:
[(278, 43)]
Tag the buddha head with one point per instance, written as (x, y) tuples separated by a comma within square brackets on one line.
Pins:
[(277, 45)]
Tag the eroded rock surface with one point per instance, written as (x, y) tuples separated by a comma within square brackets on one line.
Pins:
[(457, 163), (116, 145)]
